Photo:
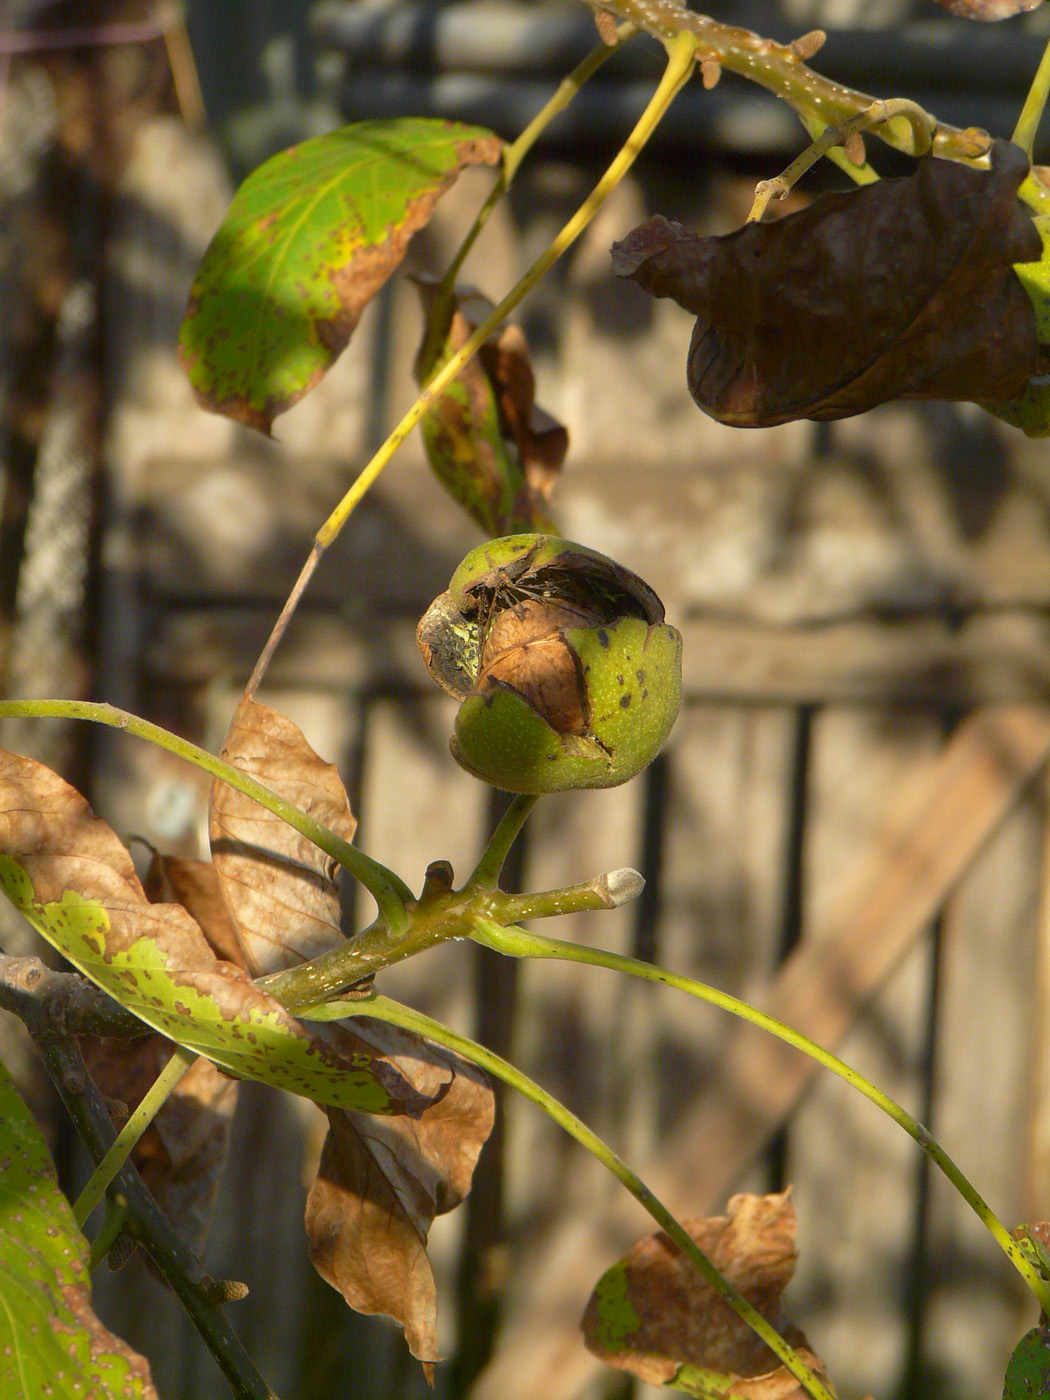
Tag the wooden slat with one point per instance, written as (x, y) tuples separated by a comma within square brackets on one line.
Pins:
[(932, 834), (993, 657), (976, 1307), (853, 1172)]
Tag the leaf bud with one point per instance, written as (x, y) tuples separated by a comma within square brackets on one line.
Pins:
[(567, 674)]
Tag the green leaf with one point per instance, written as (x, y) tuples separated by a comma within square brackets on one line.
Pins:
[(1028, 1373), (51, 1343), (1031, 412), (67, 872), (309, 239)]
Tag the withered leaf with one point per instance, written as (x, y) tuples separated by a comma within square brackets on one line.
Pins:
[(652, 1314), (988, 9), (492, 447), (902, 289), (279, 887), (71, 877), (195, 885), (376, 1193)]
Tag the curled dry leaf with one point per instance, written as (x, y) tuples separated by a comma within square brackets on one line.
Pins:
[(652, 1314), (902, 289), (988, 9), (376, 1194), (71, 877), (492, 447)]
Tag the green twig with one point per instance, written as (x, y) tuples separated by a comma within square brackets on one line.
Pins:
[(818, 101), (388, 890), (516, 943), (833, 137), (679, 67), (152, 1102), (1034, 105), (513, 155), (391, 1011), (113, 1222), (487, 871)]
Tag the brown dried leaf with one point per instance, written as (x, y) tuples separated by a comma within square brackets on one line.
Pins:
[(377, 1192), (988, 9), (195, 885), (279, 887), (369, 1211), (71, 877), (652, 1314), (902, 289)]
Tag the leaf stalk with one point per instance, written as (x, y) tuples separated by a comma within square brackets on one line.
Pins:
[(517, 943), (681, 56), (152, 1102)]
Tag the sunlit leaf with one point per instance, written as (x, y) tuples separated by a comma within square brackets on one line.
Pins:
[(495, 451), (652, 1314), (902, 289), (309, 239), (67, 872), (51, 1342)]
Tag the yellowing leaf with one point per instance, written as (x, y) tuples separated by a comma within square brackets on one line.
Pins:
[(309, 239)]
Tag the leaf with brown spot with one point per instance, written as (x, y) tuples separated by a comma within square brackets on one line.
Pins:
[(902, 289), (51, 1342), (492, 447), (309, 239), (66, 871), (652, 1314), (279, 887), (988, 9), (377, 1192)]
